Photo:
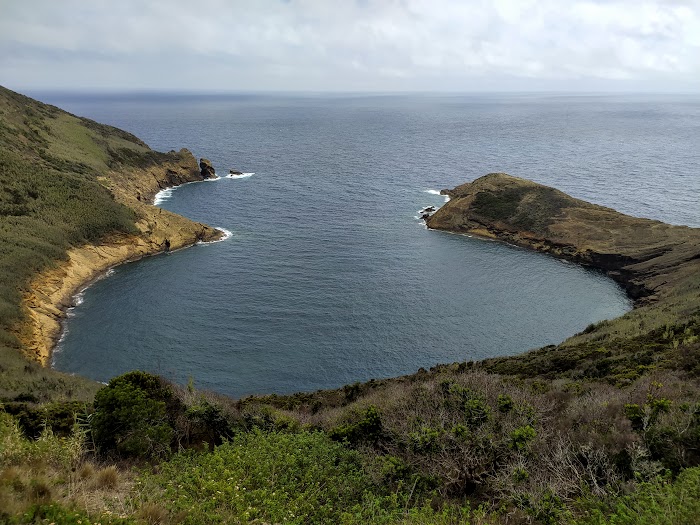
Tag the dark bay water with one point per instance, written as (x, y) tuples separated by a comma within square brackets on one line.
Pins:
[(327, 277)]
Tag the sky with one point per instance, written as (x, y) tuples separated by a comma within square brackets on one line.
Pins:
[(350, 45)]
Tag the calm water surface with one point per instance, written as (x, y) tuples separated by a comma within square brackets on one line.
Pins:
[(328, 278)]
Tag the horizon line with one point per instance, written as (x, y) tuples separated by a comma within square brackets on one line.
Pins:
[(273, 92)]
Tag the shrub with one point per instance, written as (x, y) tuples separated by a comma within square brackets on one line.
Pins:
[(264, 478), (505, 403), (131, 416), (59, 417), (107, 478), (368, 429), (521, 437), (658, 502), (207, 423), (425, 440)]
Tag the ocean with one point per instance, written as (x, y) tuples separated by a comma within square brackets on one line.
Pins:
[(328, 277)]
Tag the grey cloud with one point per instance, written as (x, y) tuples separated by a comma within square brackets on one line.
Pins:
[(351, 45)]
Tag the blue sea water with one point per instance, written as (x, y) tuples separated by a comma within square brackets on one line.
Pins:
[(328, 277)]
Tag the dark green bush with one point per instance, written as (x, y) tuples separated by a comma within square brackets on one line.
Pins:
[(505, 403), (368, 429), (207, 424), (521, 437), (59, 417), (131, 416)]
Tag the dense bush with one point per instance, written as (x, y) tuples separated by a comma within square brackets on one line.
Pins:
[(131, 416), (60, 417), (269, 477), (367, 429), (142, 415)]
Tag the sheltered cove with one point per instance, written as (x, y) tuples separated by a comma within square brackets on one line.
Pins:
[(53, 290), (656, 263)]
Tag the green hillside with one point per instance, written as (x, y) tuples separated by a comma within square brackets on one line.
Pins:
[(50, 199), (55, 173), (604, 428)]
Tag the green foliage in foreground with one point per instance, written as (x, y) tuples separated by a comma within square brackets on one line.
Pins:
[(59, 514), (659, 502), (262, 476), (270, 477), (276, 478)]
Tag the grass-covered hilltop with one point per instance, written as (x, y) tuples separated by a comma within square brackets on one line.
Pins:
[(604, 428)]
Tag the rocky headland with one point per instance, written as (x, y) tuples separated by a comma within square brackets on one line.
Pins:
[(52, 291), (658, 264), (79, 158)]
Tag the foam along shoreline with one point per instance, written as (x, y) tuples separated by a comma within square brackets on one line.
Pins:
[(166, 193), (225, 235), (77, 298), (656, 263), (57, 290), (50, 317), (438, 192), (53, 291)]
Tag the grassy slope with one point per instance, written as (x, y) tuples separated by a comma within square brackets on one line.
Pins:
[(56, 177), (539, 435), (657, 263)]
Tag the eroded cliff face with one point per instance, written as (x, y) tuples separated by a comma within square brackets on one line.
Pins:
[(52, 291), (653, 261)]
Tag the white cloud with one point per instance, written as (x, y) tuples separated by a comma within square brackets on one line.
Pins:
[(346, 45)]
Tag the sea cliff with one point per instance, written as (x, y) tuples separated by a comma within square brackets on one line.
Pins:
[(656, 263), (76, 200), (52, 291)]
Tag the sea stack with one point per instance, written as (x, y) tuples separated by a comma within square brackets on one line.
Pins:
[(207, 169)]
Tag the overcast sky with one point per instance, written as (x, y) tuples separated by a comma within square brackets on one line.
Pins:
[(353, 45)]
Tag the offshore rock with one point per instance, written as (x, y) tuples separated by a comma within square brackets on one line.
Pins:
[(207, 170)]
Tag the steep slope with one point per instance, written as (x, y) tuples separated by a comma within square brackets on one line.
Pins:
[(74, 200)]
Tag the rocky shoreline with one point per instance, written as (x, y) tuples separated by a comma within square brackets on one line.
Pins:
[(53, 291), (656, 263)]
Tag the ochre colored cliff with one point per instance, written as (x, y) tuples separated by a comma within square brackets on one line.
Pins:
[(52, 291)]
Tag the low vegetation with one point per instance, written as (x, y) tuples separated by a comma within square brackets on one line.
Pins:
[(452, 446), (603, 429)]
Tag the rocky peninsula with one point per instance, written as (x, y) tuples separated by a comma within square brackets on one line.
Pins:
[(658, 264)]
